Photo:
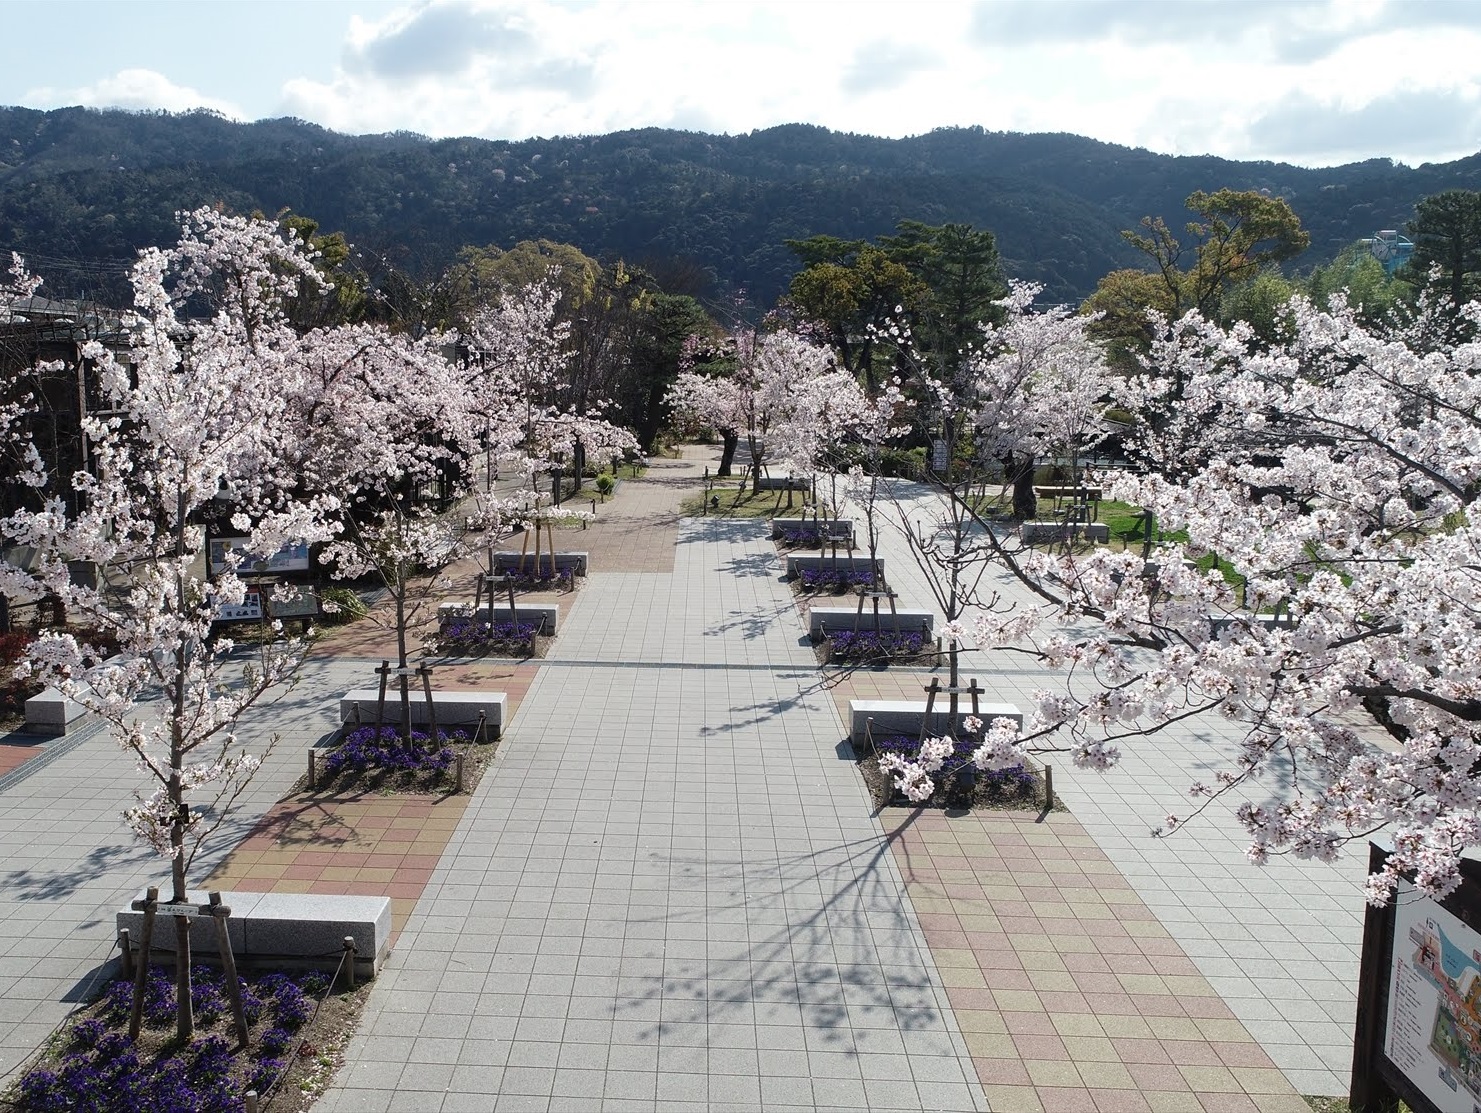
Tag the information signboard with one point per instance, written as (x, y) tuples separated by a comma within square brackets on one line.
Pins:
[(293, 557), (1434, 1014), (1418, 1033)]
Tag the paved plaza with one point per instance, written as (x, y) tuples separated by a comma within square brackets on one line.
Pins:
[(671, 890)]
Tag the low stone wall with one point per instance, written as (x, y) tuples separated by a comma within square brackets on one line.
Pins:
[(454, 708), (890, 716), (544, 616), (50, 712), (1033, 533), (824, 620), (841, 528), (818, 562), (514, 562), (299, 929)]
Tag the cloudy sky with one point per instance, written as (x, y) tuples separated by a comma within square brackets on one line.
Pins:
[(1316, 82)]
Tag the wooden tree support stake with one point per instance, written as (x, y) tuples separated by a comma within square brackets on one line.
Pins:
[(313, 771), (141, 975), (349, 947), (219, 914)]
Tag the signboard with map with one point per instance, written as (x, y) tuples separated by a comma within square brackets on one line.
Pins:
[(1434, 1023), (293, 557), (1418, 1031)]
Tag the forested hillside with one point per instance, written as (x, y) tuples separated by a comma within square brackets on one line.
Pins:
[(81, 189)]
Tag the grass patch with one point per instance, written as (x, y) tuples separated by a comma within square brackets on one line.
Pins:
[(739, 502)]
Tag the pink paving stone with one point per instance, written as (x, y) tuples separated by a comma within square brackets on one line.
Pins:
[(1086, 961), (966, 997), (1111, 1004), (1207, 1008), (1119, 1101), (1064, 1001), (1029, 1024), (1094, 981), (1140, 1050), (1067, 1099), (948, 938), (1157, 1076), (1009, 979), (1001, 1072), (1133, 963), (1040, 1047), (1193, 1053), (1157, 1004), (1242, 1054), (938, 921), (1228, 1103), (1021, 926)]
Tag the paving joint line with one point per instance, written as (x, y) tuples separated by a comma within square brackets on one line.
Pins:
[(50, 751)]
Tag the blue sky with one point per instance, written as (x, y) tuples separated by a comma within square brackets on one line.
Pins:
[(1315, 82)]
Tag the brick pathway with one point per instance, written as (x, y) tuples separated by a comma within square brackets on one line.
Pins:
[(1070, 994), (17, 753)]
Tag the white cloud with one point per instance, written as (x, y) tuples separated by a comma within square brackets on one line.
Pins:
[(133, 89)]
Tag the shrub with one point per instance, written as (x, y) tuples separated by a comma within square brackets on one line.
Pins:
[(606, 484), (344, 605)]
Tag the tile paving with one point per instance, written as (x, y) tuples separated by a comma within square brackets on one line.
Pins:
[(670, 891)]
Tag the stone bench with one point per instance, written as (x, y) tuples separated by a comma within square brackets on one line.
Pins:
[(1032, 533), (454, 708), (513, 562), (823, 620), (840, 528), (767, 483), (294, 929), (903, 716), (545, 617), (50, 712), (817, 562)]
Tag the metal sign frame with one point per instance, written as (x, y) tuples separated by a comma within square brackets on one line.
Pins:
[(1378, 1083)]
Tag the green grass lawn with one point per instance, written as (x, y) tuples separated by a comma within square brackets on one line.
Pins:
[(739, 502)]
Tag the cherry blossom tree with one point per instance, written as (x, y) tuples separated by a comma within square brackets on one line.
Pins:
[(758, 398), (194, 422)]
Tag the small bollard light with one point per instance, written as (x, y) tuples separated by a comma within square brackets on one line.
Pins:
[(714, 502)]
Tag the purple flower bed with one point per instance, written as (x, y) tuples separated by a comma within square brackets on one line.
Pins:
[(369, 748), (834, 579), (960, 782), (873, 645), (100, 1071), (477, 635), (563, 580), (809, 537)]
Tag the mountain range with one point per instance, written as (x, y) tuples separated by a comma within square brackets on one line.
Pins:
[(82, 189)]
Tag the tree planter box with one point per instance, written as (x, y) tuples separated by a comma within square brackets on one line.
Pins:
[(543, 616), (821, 562), (1033, 533), (454, 709), (840, 528), (822, 620), (276, 929), (889, 716), (514, 562)]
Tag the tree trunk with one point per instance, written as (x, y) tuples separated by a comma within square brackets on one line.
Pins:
[(729, 442), (400, 593), (1025, 504)]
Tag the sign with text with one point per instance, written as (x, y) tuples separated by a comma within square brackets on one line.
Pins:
[(176, 910), (293, 557), (1434, 1015), (1418, 1031)]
